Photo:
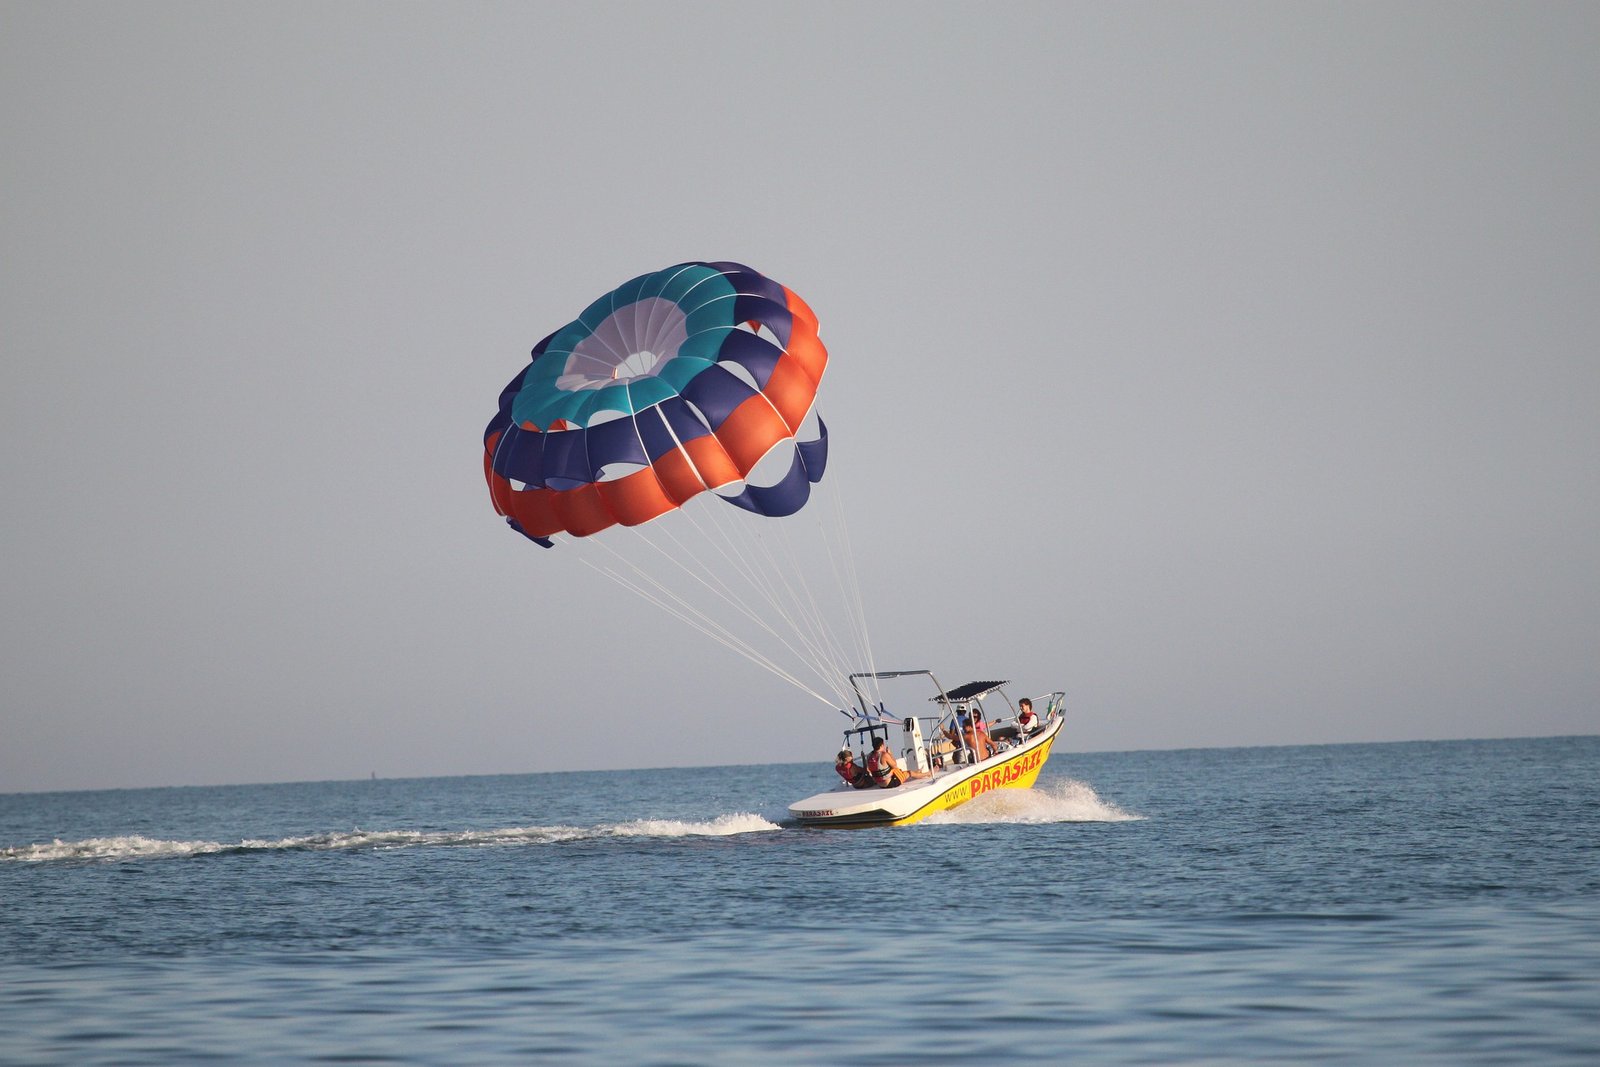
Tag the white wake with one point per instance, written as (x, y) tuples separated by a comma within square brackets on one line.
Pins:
[(139, 847)]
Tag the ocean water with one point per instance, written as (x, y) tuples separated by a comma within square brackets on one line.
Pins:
[(1420, 902)]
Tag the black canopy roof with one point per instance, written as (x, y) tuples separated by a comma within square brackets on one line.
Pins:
[(970, 690)]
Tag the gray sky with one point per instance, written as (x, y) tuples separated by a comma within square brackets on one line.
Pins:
[(1232, 367)]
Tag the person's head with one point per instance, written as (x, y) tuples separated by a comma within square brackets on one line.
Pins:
[(880, 743), (1025, 704), (845, 755)]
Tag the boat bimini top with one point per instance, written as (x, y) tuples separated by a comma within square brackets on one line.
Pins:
[(970, 691)]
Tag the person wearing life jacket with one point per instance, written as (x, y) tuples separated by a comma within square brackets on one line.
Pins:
[(886, 772), (1027, 721), (845, 766)]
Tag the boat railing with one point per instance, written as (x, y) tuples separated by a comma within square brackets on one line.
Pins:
[(1005, 731)]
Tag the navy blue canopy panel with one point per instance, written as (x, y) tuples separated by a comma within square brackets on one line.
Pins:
[(971, 690), (567, 458), (792, 491)]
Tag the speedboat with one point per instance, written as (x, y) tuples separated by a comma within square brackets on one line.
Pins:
[(946, 753)]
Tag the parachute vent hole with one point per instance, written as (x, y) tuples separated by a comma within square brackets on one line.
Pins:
[(634, 365)]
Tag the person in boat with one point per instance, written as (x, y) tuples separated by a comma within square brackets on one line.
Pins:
[(885, 770), (971, 728), (845, 765), (1027, 721), (981, 729), (1024, 724)]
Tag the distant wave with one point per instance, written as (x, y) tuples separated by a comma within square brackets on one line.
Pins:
[(139, 847), (1068, 801)]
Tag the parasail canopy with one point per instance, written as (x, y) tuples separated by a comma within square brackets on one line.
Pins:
[(673, 384)]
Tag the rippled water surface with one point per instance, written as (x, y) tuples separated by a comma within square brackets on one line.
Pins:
[(1362, 903)]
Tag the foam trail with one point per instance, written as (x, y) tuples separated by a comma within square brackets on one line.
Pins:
[(131, 847), (138, 847), (1066, 801), (722, 826)]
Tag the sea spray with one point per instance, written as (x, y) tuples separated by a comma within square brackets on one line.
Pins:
[(1062, 801)]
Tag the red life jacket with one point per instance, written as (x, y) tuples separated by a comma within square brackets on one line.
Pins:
[(847, 771), (881, 769)]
